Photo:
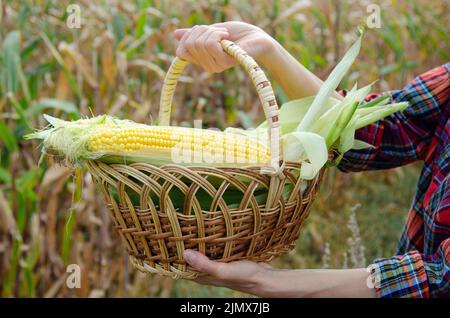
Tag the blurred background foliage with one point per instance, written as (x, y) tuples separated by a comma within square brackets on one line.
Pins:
[(115, 64)]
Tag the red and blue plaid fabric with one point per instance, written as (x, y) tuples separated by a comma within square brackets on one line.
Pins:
[(420, 132)]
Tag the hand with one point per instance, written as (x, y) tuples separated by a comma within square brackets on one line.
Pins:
[(261, 280), (201, 44), (243, 276)]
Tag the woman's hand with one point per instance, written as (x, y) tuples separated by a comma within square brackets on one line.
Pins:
[(201, 44), (243, 276)]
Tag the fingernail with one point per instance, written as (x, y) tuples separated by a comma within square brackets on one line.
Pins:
[(189, 256)]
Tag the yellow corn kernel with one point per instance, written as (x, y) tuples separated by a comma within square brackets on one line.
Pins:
[(142, 139)]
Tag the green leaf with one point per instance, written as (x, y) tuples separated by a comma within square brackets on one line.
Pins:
[(392, 38), (382, 100), (118, 26), (30, 263), (9, 281), (326, 125), (78, 180), (11, 62), (292, 112), (13, 73), (347, 138), (67, 235), (330, 85), (361, 93), (5, 176), (359, 144), (55, 122), (29, 49), (7, 137), (140, 25), (367, 111), (308, 147), (380, 114), (21, 213), (28, 179), (344, 118), (65, 106), (331, 124)]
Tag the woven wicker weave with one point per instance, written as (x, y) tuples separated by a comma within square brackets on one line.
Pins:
[(156, 231)]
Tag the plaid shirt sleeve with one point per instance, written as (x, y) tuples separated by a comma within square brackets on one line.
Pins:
[(413, 274), (402, 137)]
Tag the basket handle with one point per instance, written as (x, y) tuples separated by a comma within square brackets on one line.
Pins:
[(263, 88)]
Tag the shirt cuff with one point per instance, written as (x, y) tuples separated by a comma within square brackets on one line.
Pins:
[(402, 276)]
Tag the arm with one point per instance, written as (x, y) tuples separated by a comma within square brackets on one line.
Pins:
[(261, 280), (410, 275), (200, 45), (295, 79), (404, 137)]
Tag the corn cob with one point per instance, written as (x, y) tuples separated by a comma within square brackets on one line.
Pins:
[(108, 137)]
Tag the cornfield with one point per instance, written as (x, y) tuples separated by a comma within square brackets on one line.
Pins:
[(52, 216)]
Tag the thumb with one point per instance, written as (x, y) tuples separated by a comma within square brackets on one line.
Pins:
[(180, 32), (200, 262)]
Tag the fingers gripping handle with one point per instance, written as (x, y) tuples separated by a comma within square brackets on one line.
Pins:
[(263, 88)]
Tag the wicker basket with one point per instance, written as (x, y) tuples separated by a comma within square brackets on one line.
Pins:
[(156, 232)]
